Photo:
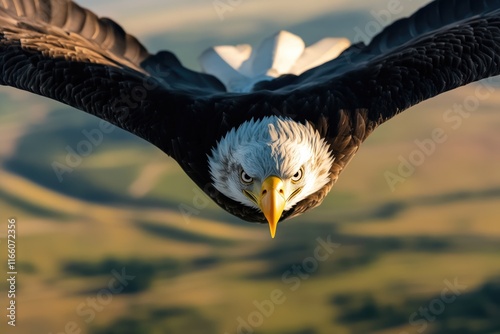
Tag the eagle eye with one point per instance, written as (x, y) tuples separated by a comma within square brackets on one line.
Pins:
[(298, 176), (245, 178)]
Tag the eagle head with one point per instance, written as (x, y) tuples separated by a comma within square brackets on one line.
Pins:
[(270, 164)]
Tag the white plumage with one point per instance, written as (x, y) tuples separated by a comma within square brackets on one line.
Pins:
[(239, 67), (271, 146)]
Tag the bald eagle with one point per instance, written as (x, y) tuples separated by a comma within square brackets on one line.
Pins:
[(264, 132)]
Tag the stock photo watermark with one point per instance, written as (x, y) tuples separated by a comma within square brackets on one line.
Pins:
[(292, 279), (421, 318), (199, 202), (382, 18), (88, 309), (92, 139), (85, 147), (424, 148), (221, 7), (11, 272)]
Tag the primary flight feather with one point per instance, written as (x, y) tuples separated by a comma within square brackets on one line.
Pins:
[(265, 132)]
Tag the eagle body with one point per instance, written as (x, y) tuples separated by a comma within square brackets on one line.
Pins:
[(254, 115)]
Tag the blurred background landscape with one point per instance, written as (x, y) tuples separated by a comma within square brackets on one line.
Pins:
[(420, 257)]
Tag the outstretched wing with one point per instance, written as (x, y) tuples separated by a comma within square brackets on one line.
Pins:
[(57, 49), (444, 45)]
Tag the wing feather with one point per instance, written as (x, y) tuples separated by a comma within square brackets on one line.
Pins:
[(445, 45), (57, 49)]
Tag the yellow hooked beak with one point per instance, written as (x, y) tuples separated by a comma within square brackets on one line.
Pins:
[(272, 201)]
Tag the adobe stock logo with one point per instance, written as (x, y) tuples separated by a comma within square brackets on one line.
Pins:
[(453, 118), (382, 18), (429, 313), (85, 147), (221, 7), (87, 310), (292, 278)]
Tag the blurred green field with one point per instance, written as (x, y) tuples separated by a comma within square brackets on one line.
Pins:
[(123, 208)]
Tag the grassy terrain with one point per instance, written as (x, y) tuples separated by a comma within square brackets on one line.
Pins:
[(205, 272)]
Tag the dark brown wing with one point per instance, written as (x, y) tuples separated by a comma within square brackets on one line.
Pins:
[(445, 45), (57, 49), (61, 17)]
